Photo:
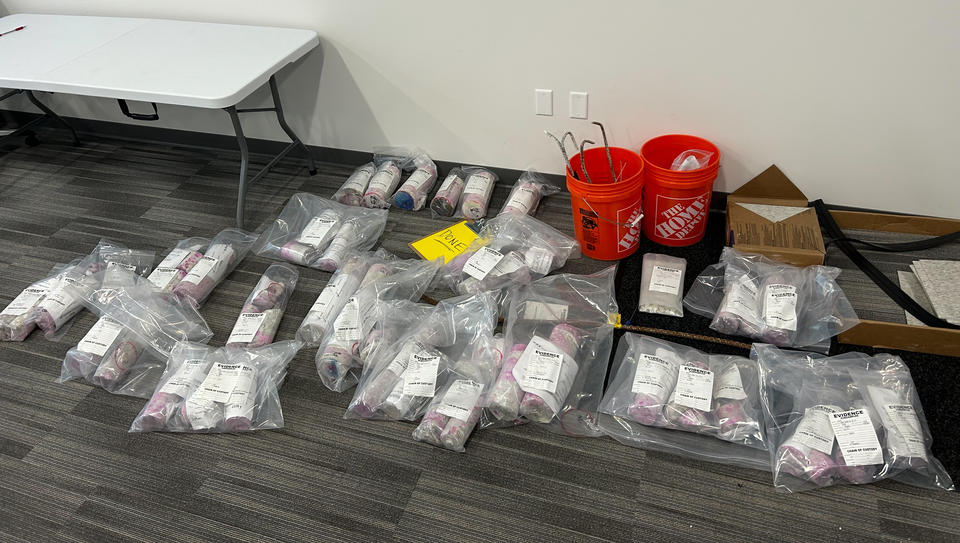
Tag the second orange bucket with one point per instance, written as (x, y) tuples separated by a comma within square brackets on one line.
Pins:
[(607, 212), (676, 203)]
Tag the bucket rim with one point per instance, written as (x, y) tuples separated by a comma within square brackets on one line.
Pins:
[(712, 147), (638, 177)]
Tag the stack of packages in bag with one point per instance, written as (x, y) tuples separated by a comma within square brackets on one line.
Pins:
[(352, 304), (412, 194), (261, 312), (438, 370), (668, 397), (138, 327), (749, 295), (222, 256), (206, 389), (465, 192), (556, 349), (511, 250), (15, 322), (59, 304), (318, 233), (108, 352), (847, 419), (178, 263)]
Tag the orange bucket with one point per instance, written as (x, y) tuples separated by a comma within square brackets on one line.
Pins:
[(676, 204), (606, 214)]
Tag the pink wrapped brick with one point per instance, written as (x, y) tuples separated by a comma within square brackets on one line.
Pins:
[(806, 463), (335, 361), (445, 201), (534, 407), (117, 364), (431, 427), (505, 396), (456, 432)]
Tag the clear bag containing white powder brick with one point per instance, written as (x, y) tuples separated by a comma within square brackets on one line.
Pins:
[(222, 256), (510, 250), (338, 359), (210, 390), (661, 285), (401, 382), (847, 419), (668, 397), (772, 302), (260, 315), (317, 232), (15, 318), (556, 349)]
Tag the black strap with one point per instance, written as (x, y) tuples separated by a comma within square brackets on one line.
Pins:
[(889, 287), (139, 116)]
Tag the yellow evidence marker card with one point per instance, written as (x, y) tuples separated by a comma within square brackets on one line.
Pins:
[(446, 243)]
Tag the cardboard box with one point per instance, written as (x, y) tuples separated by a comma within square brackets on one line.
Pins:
[(891, 335), (794, 240)]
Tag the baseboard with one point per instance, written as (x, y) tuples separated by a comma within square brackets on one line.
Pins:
[(145, 132)]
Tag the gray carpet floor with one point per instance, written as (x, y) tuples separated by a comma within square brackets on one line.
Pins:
[(70, 471)]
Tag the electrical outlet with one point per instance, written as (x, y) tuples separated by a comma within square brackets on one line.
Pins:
[(543, 101), (578, 105)]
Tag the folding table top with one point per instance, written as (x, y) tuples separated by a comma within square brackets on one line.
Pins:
[(207, 65)]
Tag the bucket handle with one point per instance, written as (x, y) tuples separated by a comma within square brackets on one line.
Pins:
[(627, 224)]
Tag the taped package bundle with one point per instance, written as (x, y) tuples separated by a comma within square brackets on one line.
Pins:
[(204, 389), (125, 350), (222, 256), (456, 406), (389, 279), (750, 295), (401, 381), (390, 162), (64, 299), (557, 345), (317, 232), (510, 250), (178, 263), (847, 419), (340, 288), (261, 312), (668, 397), (15, 321), (527, 192)]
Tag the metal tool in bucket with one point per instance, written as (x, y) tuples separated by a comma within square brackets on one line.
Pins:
[(607, 203)]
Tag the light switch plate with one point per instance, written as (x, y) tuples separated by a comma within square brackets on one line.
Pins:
[(543, 101), (578, 105)]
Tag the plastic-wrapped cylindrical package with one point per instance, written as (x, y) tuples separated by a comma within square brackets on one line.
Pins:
[(447, 199), (224, 253), (108, 345), (658, 387), (477, 190), (310, 229), (332, 298), (400, 382), (661, 285), (527, 192), (351, 192), (157, 319), (178, 263), (412, 194), (261, 313), (560, 326), (65, 298), (510, 250), (770, 301), (218, 390), (383, 182), (456, 407), (395, 318), (15, 321), (338, 361), (846, 419)]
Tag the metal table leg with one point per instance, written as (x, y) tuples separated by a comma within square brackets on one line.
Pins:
[(49, 113), (277, 108)]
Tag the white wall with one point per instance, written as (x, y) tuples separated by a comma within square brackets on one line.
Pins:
[(856, 101)]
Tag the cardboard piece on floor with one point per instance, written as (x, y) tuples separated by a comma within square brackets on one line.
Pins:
[(785, 235)]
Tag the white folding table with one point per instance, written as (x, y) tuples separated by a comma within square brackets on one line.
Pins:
[(184, 63)]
